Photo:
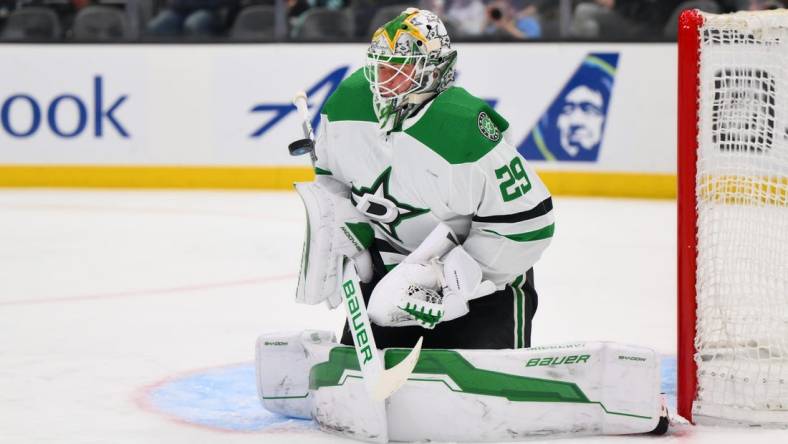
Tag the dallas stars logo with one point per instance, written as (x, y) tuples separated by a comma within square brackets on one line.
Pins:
[(488, 128), (381, 207), (401, 24)]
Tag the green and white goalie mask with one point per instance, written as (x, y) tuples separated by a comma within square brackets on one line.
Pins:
[(409, 62)]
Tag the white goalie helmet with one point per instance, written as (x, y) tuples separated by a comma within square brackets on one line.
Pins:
[(409, 62)]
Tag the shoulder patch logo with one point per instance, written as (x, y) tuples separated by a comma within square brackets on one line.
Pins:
[(488, 128)]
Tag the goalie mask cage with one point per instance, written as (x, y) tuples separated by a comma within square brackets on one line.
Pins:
[(733, 217)]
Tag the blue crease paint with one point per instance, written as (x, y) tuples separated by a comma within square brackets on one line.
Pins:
[(223, 398)]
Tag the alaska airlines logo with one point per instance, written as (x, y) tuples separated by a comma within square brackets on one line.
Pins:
[(572, 127), (281, 110)]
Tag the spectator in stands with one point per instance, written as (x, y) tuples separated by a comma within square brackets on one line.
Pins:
[(189, 17), (528, 16), (505, 21), (469, 17), (294, 10), (547, 12)]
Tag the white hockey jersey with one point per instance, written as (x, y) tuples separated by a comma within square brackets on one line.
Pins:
[(449, 163)]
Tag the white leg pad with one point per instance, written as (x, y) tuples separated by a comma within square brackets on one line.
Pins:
[(503, 395), (287, 363), (342, 405), (498, 395), (283, 365), (468, 395)]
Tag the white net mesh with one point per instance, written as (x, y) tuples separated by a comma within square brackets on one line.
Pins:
[(742, 192)]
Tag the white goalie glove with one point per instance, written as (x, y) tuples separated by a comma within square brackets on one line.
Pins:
[(335, 229), (433, 284)]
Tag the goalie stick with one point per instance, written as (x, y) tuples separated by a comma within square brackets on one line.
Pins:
[(380, 383)]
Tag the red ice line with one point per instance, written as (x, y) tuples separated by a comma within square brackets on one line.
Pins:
[(142, 210), (148, 292)]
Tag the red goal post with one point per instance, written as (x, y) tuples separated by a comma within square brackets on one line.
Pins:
[(689, 50)]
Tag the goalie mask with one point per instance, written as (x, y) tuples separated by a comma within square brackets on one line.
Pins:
[(409, 62)]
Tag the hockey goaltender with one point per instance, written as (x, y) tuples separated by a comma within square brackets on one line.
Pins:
[(425, 213)]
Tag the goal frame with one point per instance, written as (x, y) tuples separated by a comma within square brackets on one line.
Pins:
[(690, 23)]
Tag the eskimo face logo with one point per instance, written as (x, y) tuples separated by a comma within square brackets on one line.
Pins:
[(488, 128), (581, 119), (573, 127)]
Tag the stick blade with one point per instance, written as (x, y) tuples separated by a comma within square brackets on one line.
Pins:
[(392, 379)]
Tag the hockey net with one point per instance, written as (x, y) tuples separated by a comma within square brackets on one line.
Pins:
[(733, 217)]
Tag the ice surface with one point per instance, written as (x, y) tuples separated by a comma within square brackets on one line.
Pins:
[(130, 317)]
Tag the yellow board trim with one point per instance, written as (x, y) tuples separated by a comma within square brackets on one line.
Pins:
[(191, 177), (281, 178), (607, 184)]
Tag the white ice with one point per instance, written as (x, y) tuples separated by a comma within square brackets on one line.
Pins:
[(106, 295)]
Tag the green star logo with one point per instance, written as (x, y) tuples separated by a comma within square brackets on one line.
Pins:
[(383, 209), (401, 24), (393, 27)]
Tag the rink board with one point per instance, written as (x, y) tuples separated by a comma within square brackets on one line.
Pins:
[(218, 116)]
